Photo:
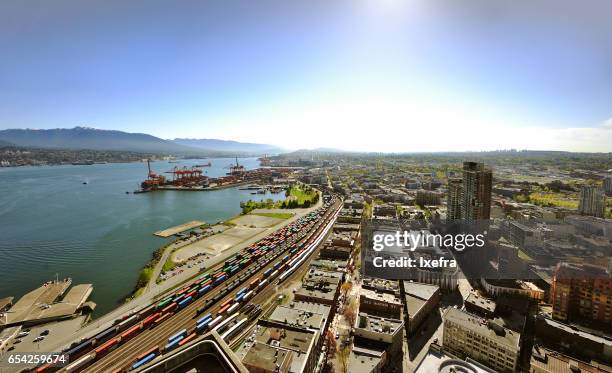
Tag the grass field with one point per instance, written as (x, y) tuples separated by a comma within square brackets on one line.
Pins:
[(169, 264), (553, 199), (301, 195)]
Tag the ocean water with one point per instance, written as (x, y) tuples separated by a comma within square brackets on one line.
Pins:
[(51, 223)]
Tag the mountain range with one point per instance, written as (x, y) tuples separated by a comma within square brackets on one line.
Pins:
[(231, 146), (97, 139)]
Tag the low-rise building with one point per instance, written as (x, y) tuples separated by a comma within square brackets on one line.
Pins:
[(572, 340), (280, 348), (548, 361), (420, 300), (380, 303), (487, 342)]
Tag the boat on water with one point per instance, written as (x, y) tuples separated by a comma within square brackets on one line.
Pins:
[(203, 165), (82, 163)]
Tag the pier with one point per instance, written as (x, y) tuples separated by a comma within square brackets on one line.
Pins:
[(179, 228)]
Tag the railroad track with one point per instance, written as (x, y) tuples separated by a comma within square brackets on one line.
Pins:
[(125, 354)]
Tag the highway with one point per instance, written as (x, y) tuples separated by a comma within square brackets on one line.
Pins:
[(122, 357)]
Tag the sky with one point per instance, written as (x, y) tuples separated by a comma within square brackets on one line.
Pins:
[(364, 75)]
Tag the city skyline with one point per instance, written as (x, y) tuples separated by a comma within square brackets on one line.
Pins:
[(391, 76)]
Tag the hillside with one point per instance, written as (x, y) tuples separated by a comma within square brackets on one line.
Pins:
[(93, 139), (231, 146)]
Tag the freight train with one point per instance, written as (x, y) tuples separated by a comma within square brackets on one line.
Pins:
[(87, 351)]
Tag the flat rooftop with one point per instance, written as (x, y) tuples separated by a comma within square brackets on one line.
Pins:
[(363, 361), (263, 357), (29, 305), (481, 302), (378, 324), (420, 290), (380, 296), (574, 330), (414, 305), (553, 361), (480, 326), (299, 318)]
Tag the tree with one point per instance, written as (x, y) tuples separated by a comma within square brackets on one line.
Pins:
[(346, 288), (331, 344), (343, 357), (350, 312)]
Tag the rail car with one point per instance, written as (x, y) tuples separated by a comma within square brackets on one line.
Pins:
[(227, 336)]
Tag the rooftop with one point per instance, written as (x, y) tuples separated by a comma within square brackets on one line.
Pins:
[(481, 302), (420, 290), (380, 296), (297, 317), (490, 329), (362, 360), (553, 361), (378, 324), (41, 303), (439, 361)]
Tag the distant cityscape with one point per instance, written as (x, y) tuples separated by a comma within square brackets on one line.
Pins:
[(537, 297)]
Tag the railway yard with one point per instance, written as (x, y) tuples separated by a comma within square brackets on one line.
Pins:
[(226, 298)]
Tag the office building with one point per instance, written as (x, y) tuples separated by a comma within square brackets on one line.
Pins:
[(592, 201), (581, 291), (477, 186), (607, 184), (453, 199)]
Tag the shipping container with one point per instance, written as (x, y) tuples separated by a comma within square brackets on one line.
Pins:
[(162, 319), (148, 352), (104, 348), (190, 337), (215, 321), (172, 345), (146, 322), (164, 303), (147, 359), (185, 302), (169, 308), (233, 308), (203, 318), (130, 333), (80, 363), (204, 290), (203, 326), (181, 333)]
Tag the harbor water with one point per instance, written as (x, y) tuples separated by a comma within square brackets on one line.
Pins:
[(78, 221)]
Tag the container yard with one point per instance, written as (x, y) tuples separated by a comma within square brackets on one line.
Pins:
[(193, 178), (218, 294)]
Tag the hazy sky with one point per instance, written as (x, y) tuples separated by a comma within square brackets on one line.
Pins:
[(378, 75)]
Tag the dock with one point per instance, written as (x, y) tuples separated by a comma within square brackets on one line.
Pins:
[(42, 305), (179, 228)]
